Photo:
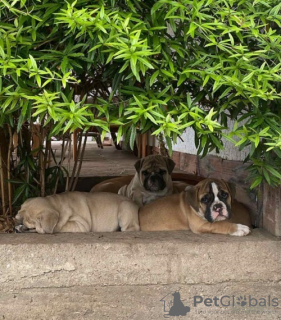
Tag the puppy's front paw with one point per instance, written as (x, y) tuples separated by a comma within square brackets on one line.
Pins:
[(241, 230)]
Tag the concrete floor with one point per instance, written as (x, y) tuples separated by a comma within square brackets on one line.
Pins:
[(104, 162), (101, 162), (107, 161)]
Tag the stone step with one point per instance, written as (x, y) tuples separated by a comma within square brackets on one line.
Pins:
[(131, 275)]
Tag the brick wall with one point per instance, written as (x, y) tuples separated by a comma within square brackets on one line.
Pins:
[(272, 209)]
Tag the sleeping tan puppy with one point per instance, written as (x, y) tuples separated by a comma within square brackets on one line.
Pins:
[(207, 207), (79, 212)]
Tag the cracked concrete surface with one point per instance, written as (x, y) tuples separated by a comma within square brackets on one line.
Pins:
[(125, 275)]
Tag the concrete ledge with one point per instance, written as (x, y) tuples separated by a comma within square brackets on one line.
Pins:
[(98, 275)]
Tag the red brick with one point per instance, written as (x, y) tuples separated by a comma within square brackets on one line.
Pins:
[(176, 159), (188, 163), (272, 210)]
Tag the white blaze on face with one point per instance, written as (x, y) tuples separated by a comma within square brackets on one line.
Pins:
[(218, 214), (215, 192)]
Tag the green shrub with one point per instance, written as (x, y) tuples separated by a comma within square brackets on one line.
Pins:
[(160, 65)]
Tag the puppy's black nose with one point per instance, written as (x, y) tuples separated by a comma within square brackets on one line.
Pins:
[(217, 206)]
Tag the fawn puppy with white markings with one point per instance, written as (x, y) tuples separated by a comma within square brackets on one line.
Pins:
[(208, 207)]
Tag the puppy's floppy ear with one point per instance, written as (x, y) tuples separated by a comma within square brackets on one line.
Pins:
[(19, 216), (191, 196), (46, 221), (170, 165), (138, 165)]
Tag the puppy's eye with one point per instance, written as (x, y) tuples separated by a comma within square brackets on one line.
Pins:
[(205, 199), (223, 195), (145, 173), (162, 172)]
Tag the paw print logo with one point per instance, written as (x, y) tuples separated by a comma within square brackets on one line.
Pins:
[(241, 301)]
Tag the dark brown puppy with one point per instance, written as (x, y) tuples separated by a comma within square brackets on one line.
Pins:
[(204, 208)]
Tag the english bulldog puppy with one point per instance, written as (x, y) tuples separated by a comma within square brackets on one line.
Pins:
[(79, 212), (208, 207), (152, 180)]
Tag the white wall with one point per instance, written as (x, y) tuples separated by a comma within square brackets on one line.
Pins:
[(188, 146)]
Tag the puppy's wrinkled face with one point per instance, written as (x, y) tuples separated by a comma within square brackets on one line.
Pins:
[(215, 200), (154, 172), (154, 180)]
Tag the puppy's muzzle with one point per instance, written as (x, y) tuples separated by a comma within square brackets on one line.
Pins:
[(218, 208), (219, 212), (154, 183)]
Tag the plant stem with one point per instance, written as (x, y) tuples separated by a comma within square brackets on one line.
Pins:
[(2, 183), (3, 169), (80, 161), (9, 159), (42, 166), (80, 136), (162, 149), (68, 165)]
